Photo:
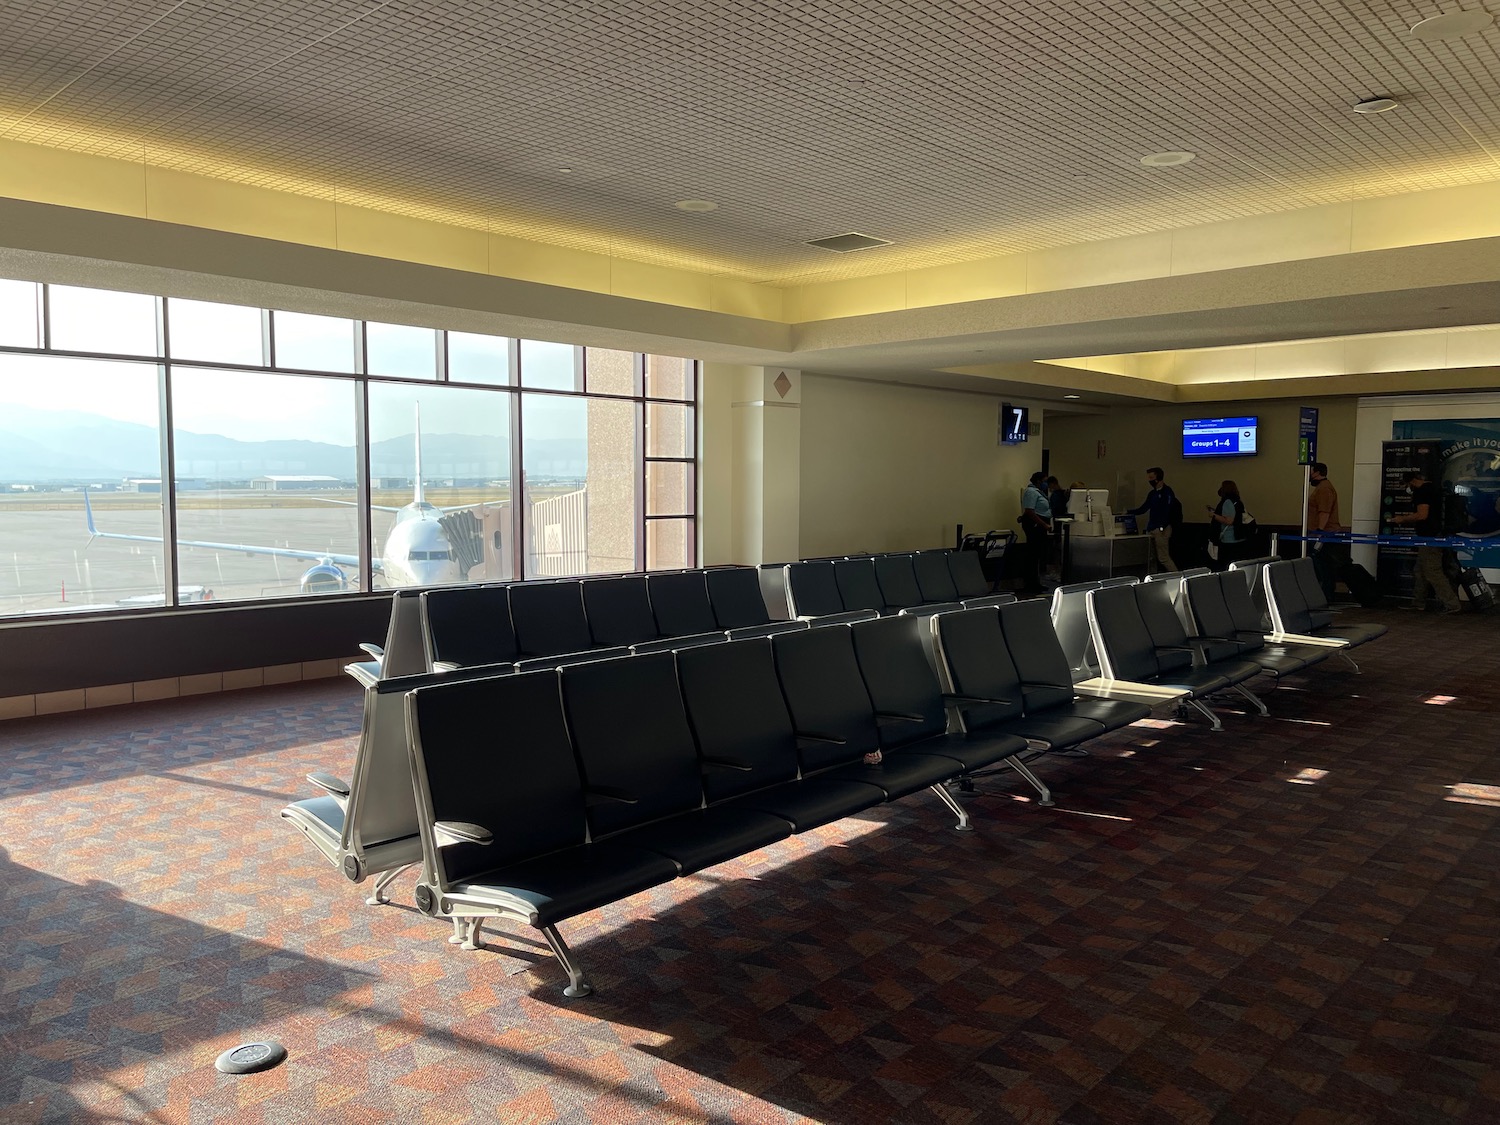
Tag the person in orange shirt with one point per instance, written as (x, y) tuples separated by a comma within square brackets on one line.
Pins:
[(1323, 515)]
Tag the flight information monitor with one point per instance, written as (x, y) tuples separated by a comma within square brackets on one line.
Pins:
[(1219, 437)]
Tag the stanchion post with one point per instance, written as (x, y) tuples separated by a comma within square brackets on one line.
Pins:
[(1306, 495)]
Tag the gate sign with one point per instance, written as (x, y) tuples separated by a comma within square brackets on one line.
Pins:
[(1307, 436)]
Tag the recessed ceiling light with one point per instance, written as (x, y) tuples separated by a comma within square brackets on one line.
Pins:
[(566, 171), (1375, 105), (1453, 25), (1166, 159), (1072, 397), (696, 205)]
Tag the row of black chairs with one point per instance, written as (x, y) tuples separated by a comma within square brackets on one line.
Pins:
[(883, 583), (465, 626), (609, 777)]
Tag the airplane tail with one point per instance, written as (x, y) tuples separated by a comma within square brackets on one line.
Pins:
[(418, 497), (88, 516)]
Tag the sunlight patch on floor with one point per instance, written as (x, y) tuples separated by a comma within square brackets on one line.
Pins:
[(1308, 776), (1440, 700), (1470, 793)]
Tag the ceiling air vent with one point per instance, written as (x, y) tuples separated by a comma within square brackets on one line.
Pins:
[(846, 243)]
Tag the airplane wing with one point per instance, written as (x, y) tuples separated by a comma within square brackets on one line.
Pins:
[(241, 548)]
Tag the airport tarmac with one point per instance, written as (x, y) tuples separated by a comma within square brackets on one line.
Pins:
[(48, 564)]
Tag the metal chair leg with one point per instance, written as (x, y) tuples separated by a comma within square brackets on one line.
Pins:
[(1206, 711), (378, 897), (947, 799), (578, 984), (1349, 660), (1024, 770), (1252, 697)]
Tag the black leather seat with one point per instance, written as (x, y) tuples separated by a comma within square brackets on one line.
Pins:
[(968, 576), (934, 579), (1175, 649), (1126, 651), (1205, 599), (1046, 681), (736, 598), (908, 698), (987, 687), (1291, 613), (680, 605), (466, 626), (898, 581), (746, 743), (857, 585), (813, 589), (835, 720), (549, 618), (504, 826), (618, 610), (641, 777)]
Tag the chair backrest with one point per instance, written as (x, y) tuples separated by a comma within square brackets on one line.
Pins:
[(904, 689), (934, 578), (1284, 599), (1120, 635), (738, 717), (618, 610), (405, 646), (549, 618), (1154, 600), (1247, 616), (1070, 622), (736, 597), (1037, 654), (679, 603), (825, 696), (518, 778), (858, 588), (468, 625), (1307, 582), (1205, 599), (898, 581), (813, 589), (978, 664), (632, 739), (968, 575)]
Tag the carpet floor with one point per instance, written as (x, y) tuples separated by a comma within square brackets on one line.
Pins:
[(1294, 920)]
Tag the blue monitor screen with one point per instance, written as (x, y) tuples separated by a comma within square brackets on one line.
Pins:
[(1219, 437)]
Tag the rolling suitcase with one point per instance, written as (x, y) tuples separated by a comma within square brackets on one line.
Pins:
[(1362, 585), (1473, 588)]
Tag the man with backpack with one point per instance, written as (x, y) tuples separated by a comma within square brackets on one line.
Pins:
[(1164, 512)]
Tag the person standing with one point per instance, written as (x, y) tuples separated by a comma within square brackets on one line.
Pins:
[(1057, 497), (1428, 580), (1329, 557), (1163, 512), (1228, 518), (1036, 522)]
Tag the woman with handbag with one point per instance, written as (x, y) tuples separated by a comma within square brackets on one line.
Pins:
[(1227, 534)]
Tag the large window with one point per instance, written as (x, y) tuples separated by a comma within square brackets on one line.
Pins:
[(163, 451)]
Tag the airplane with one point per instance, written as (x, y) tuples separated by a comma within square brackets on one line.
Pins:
[(418, 550)]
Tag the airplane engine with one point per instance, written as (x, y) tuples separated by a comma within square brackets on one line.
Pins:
[(325, 578)]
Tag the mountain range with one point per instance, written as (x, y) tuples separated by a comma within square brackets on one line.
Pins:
[(42, 446)]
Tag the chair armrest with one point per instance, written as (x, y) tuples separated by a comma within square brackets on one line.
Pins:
[(366, 672), (903, 716), (446, 666), (327, 782), (1042, 683), (828, 738), (1175, 648), (952, 697), (375, 651), (598, 793), (449, 832), (728, 764)]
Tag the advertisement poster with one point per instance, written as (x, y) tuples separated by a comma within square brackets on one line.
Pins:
[(1398, 458)]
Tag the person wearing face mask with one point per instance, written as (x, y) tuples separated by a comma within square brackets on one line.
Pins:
[(1165, 512), (1228, 532), (1428, 580), (1329, 558)]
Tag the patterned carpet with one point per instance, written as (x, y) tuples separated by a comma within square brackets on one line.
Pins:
[(1293, 921)]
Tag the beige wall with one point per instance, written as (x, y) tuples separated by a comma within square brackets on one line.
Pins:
[(1270, 483), (888, 468)]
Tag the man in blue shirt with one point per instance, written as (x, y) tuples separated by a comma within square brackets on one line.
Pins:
[(1161, 506), (1036, 521)]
